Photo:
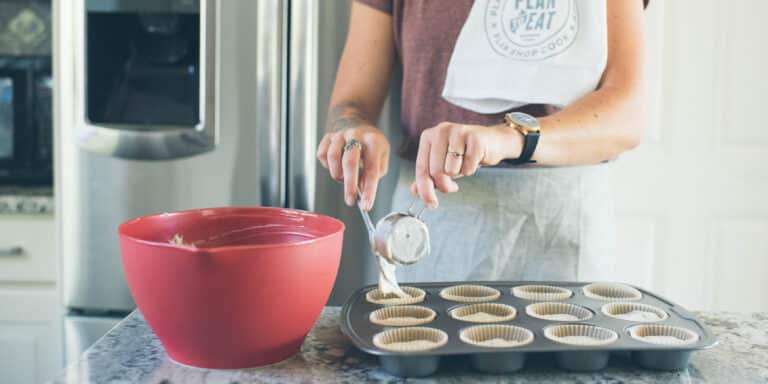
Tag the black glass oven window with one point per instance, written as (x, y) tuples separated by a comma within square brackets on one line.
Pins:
[(142, 68), (6, 118)]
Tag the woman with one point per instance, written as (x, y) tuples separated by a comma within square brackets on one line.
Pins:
[(479, 78)]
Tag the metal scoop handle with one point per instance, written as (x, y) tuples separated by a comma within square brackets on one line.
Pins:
[(368, 223)]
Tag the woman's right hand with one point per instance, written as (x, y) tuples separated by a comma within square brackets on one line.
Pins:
[(372, 155)]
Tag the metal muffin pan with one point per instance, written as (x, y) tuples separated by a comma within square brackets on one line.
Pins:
[(356, 325)]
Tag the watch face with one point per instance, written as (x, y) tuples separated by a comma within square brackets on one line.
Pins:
[(524, 119)]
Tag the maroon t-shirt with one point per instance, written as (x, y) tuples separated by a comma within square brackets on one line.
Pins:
[(425, 34)]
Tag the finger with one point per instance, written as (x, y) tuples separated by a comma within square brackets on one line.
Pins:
[(425, 188), (322, 150), (369, 184), (454, 157), (414, 190), (473, 153), (350, 163), (335, 151), (438, 151)]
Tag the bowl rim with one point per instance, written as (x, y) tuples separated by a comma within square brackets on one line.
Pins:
[(122, 228)]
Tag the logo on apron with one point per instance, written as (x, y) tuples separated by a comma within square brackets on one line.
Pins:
[(531, 30)]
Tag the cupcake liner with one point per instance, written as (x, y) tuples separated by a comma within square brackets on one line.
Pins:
[(484, 313), (496, 336), (580, 334), (642, 313), (402, 315), (410, 339), (541, 292), (470, 293), (663, 334), (558, 312), (416, 296), (611, 291)]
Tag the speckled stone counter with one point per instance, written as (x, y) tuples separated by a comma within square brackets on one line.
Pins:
[(131, 353), (26, 200)]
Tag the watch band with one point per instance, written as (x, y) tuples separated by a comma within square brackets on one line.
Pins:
[(530, 141)]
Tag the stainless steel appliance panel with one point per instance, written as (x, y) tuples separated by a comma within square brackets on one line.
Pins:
[(97, 192)]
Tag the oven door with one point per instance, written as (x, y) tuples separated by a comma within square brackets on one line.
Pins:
[(25, 121)]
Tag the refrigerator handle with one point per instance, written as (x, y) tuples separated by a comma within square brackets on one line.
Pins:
[(163, 142), (271, 24), (302, 103)]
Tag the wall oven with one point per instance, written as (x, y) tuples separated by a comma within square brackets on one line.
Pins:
[(25, 93)]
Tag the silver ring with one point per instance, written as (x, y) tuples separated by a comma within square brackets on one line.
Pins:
[(352, 143), (457, 155)]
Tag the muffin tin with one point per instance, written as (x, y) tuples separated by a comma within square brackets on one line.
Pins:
[(501, 346)]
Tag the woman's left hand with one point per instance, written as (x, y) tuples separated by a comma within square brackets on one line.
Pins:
[(449, 151)]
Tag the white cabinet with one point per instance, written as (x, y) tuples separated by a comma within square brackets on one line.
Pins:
[(30, 334), (27, 252), (30, 308)]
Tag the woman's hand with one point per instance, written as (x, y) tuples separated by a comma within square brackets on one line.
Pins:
[(449, 151), (371, 154)]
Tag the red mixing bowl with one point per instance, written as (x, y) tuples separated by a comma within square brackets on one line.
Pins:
[(231, 287)]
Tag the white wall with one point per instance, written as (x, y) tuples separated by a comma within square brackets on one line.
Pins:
[(692, 199)]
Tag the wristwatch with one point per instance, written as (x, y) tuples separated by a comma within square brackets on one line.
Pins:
[(528, 126)]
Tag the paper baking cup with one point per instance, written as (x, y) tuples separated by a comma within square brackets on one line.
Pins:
[(541, 292), (663, 334), (642, 313), (580, 334), (470, 293), (496, 336), (416, 296), (484, 313), (611, 291), (402, 316), (558, 312), (410, 339)]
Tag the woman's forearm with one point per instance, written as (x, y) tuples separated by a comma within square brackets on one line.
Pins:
[(609, 121), (599, 127)]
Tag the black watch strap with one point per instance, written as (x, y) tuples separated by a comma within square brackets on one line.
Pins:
[(529, 146)]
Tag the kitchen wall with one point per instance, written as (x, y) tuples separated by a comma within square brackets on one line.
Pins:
[(693, 218)]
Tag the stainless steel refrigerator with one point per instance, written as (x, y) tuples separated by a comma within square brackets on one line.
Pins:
[(177, 104)]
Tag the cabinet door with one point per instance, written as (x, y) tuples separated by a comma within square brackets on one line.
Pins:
[(692, 199), (30, 335)]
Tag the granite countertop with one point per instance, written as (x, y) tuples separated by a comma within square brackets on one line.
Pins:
[(130, 353), (26, 200)]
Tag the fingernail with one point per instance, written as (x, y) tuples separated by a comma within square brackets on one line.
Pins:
[(350, 202), (432, 204)]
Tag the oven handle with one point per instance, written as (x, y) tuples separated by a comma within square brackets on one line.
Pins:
[(163, 141)]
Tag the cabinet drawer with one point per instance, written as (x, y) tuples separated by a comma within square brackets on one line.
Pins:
[(27, 251)]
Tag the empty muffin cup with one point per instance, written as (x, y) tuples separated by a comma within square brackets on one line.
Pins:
[(558, 312), (663, 334), (470, 293), (402, 316), (642, 313), (415, 295), (484, 313), (410, 339), (580, 334), (541, 292), (611, 291), (496, 336)]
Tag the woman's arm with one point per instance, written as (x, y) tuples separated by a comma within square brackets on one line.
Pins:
[(598, 127), (610, 120), (358, 94)]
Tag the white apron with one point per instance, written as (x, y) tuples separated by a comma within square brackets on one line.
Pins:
[(522, 223), (517, 224), (515, 52)]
